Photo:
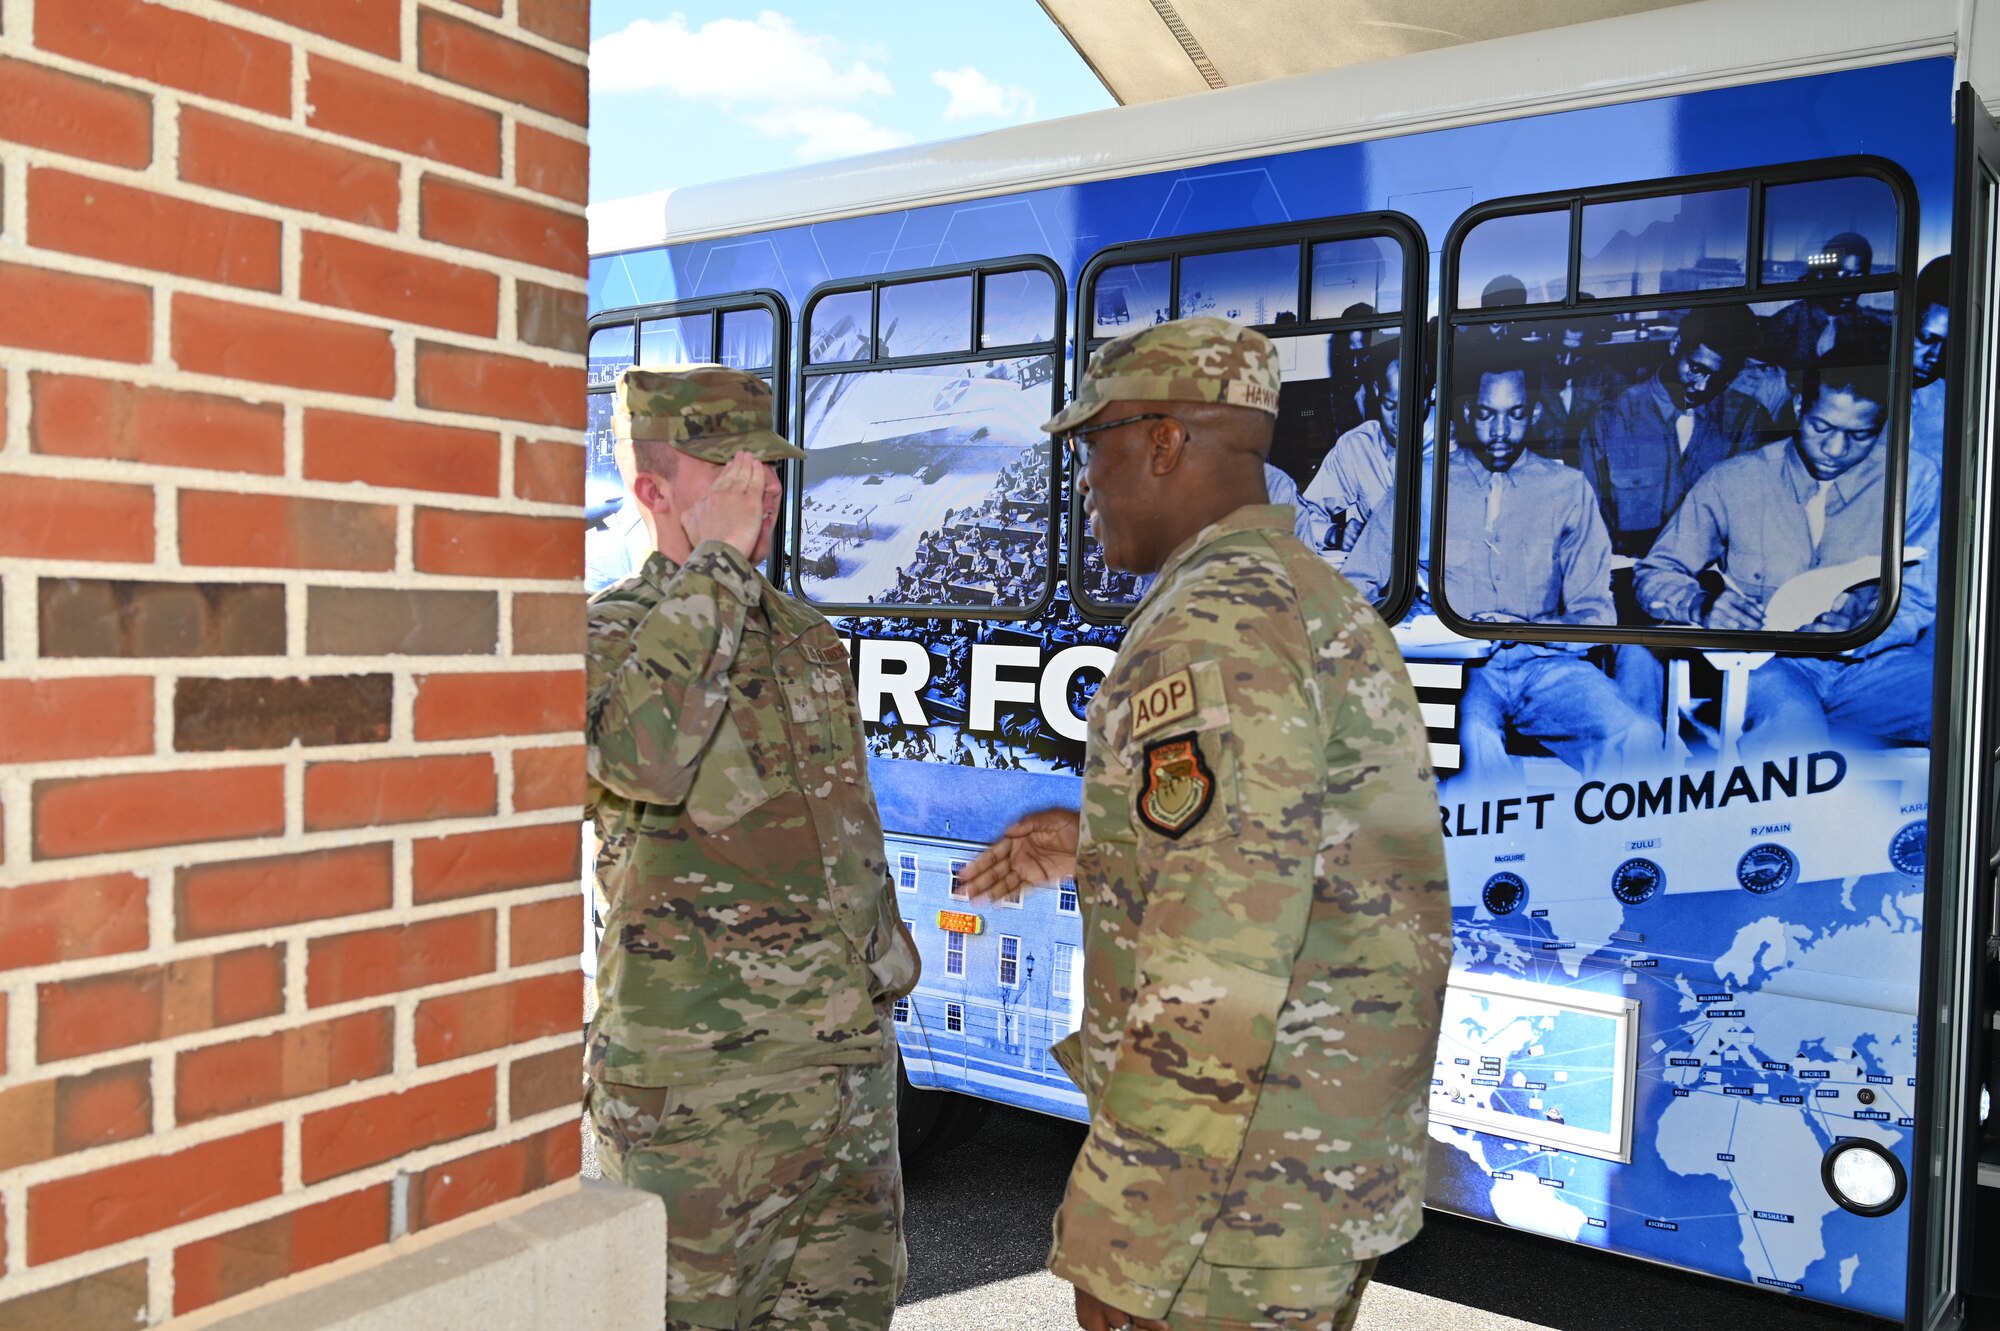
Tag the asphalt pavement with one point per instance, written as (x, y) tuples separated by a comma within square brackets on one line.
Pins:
[(978, 1231)]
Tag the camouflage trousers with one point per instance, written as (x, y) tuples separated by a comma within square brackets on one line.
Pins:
[(1251, 1298), (784, 1194)]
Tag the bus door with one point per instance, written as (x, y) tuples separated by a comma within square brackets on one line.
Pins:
[(1957, 1188)]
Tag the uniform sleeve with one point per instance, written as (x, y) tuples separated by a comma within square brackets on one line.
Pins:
[(658, 675), (1665, 579), (1226, 902)]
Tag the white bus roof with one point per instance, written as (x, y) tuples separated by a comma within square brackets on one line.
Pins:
[(1685, 48)]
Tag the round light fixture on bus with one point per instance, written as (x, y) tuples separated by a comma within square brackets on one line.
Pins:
[(1863, 1177)]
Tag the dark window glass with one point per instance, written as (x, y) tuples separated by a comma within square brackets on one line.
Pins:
[(1674, 242), (610, 352), (1338, 418), (839, 328), (688, 339), (1018, 308), (1245, 286), (928, 486), (1657, 475), (1823, 229), (747, 341), (1129, 296), (1332, 451), (1349, 273), (1519, 259), (926, 318)]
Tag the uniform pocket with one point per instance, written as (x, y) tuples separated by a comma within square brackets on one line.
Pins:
[(744, 766)]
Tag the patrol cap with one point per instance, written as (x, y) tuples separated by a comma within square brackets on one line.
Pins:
[(706, 411), (1187, 360)]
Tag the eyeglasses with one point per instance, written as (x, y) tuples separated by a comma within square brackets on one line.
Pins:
[(1079, 439)]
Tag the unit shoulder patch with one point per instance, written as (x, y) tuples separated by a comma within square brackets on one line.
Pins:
[(1179, 786), (1163, 702)]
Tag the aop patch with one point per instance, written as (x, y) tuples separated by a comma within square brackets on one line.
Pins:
[(1178, 788), (1163, 702)]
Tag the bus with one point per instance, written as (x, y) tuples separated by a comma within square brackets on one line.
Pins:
[(1641, 371)]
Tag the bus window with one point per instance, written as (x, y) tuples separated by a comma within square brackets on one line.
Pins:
[(838, 329), (1671, 242), (683, 340), (1349, 276), (1516, 259), (1680, 467), (1342, 413), (747, 328), (1017, 309), (1130, 296), (747, 339), (926, 318), (610, 352), (927, 476), (1242, 286), (1829, 229)]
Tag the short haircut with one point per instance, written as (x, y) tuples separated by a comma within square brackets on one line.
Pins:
[(1865, 381), (1730, 331), (1478, 354), (1934, 284), (650, 455)]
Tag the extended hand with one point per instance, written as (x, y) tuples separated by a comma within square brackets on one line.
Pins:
[(1037, 849), (733, 509), (1094, 1314)]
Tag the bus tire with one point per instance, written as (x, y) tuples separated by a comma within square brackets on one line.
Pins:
[(930, 1122)]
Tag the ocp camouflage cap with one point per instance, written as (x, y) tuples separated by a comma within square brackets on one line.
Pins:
[(1187, 360), (709, 412)]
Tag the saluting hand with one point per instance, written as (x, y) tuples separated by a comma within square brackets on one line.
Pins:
[(1036, 850), (733, 509)]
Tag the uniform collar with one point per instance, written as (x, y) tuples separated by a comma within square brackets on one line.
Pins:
[(1250, 517)]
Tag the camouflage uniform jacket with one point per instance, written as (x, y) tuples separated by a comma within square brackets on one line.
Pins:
[(1266, 929), (752, 925)]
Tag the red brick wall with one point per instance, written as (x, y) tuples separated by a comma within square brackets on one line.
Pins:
[(290, 467)]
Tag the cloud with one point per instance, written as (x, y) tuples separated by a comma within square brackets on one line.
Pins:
[(825, 132), (775, 78), (974, 96)]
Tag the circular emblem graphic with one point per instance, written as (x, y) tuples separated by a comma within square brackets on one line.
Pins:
[(1637, 879), (1504, 893), (1907, 847), (1766, 868)]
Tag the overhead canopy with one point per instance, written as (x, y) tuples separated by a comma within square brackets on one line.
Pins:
[(1144, 50)]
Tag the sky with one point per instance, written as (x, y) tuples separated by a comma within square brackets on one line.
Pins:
[(706, 90)]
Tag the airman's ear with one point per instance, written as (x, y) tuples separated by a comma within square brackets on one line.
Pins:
[(1169, 439), (649, 491)]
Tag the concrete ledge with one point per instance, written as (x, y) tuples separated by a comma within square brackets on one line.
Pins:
[(582, 1254)]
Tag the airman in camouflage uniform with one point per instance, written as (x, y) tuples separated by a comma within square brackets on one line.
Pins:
[(1266, 922), (742, 1062)]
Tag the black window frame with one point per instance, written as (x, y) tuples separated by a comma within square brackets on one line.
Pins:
[(1408, 322), (1754, 291), (804, 370), (716, 307)]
